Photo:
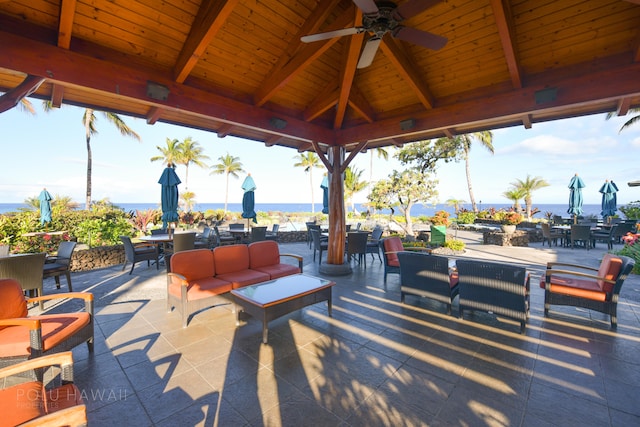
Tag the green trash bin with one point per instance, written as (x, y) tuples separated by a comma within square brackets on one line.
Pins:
[(438, 234)]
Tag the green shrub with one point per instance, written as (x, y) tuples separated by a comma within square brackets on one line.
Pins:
[(466, 217), (454, 244), (103, 232), (632, 210)]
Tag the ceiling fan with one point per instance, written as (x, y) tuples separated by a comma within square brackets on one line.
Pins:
[(382, 17)]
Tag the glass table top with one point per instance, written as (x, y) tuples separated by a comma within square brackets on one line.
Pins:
[(281, 289)]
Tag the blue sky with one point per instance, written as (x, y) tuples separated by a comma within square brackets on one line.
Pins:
[(48, 150)]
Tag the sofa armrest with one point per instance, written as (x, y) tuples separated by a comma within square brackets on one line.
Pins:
[(298, 257), (86, 296), (551, 265), (180, 277), (594, 277)]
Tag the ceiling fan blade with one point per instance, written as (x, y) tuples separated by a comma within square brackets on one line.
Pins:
[(366, 6), (421, 38), (412, 8), (331, 34), (369, 52)]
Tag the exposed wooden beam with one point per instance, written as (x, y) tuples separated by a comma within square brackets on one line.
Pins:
[(526, 121), (305, 56), (68, 67), (358, 102), (224, 130), (211, 16), (411, 76), (11, 98), (272, 140), (326, 99), (323, 157), (361, 146), (504, 22), (65, 24), (605, 84), (153, 115), (624, 104), (57, 94), (448, 133), (348, 71)]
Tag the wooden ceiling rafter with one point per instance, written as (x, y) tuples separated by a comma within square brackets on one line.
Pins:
[(13, 97), (396, 55), (448, 133), (504, 23), (210, 18), (526, 121), (359, 104), (224, 130), (65, 32), (348, 72), (326, 99), (304, 57), (624, 105), (153, 115)]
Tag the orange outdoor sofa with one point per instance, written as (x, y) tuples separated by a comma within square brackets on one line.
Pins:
[(199, 276)]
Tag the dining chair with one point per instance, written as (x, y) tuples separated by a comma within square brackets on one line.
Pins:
[(273, 234), (550, 235), (56, 266), (27, 270), (223, 239), (373, 244), (603, 235), (183, 242), (357, 246), (139, 252), (317, 244), (580, 235), (258, 234)]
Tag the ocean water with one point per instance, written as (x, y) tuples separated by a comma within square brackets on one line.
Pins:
[(417, 210)]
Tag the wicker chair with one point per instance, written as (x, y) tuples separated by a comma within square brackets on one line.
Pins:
[(373, 244), (356, 247), (581, 235), (25, 337), (549, 235), (390, 248), (34, 403), (587, 287), (493, 287), (604, 235), (59, 264), (139, 252), (317, 244), (27, 269), (427, 276), (273, 234)]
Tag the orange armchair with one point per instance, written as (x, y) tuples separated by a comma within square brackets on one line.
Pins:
[(25, 337), (34, 403)]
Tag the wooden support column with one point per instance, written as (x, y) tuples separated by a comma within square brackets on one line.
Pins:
[(337, 223), (11, 98)]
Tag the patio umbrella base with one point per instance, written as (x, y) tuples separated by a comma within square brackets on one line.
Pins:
[(335, 269)]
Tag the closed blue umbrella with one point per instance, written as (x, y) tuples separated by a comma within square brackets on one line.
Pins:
[(325, 195), (575, 196), (609, 198), (169, 196), (248, 199), (45, 206)]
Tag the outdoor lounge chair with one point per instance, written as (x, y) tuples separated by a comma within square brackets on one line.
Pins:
[(56, 402), (596, 289), (56, 266), (493, 287), (390, 248), (427, 276), (27, 269), (25, 337)]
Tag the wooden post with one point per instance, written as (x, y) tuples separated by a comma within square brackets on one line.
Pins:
[(337, 223)]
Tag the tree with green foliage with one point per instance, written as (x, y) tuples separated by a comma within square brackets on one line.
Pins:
[(528, 186), (424, 155), (403, 190), (169, 154), (308, 161), (456, 204), (515, 195), (352, 185), (188, 200), (229, 166), (191, 152), (485, 138)]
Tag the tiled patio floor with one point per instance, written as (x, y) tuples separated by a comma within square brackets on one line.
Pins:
[(376, 362)]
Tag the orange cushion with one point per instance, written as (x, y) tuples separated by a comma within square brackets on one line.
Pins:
[(12, 301), (242, 278), (63, 397), (193, 264), (21, 403), (393, 245), (201, 288), (263, 254), (14, 340), (231, 258), (609, 269), (582, 288), (279, 270), (453, 279)]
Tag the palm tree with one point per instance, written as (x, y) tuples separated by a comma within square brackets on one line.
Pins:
[(515, 195), (382, 153), (308, 161), (456, 204), (188, 200), (229, 165), (486, 139), (352, 185), (528, 186), (633, 120), (170, 153), (191, 153), (89, 121)]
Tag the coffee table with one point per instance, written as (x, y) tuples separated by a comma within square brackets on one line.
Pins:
[(270, 300)]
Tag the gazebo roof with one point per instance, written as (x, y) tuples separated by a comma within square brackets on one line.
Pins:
[(238, 67)]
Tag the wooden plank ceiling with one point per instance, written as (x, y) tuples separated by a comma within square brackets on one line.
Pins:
[(238, 67)]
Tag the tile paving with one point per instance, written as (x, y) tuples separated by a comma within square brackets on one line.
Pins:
[(376, 362)]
